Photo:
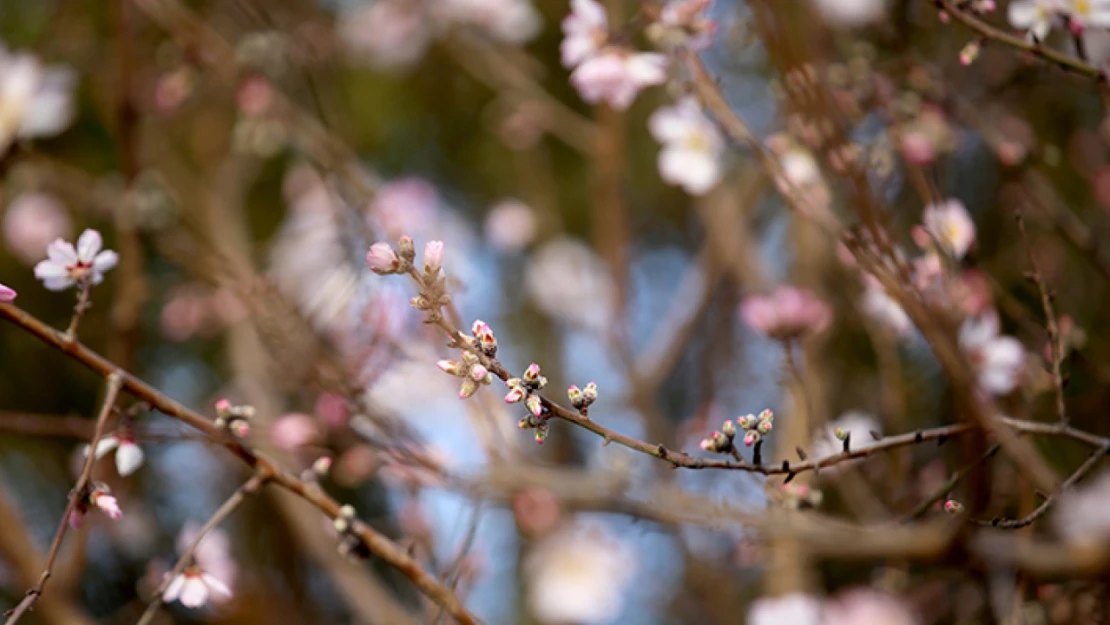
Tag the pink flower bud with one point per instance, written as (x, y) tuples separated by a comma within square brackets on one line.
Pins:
[(7, 294), (448, 366), (322, 465), (223, 406), (706, 444), (953, 507), (406, 248), (478, 373), (532, 373), (589, 394), (77, 518), (468, 388), (240, 428), (382, 259), (534, 404), (433, 257), (107, 504), (751, 438)]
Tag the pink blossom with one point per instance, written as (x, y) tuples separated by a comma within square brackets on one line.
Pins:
[(616, 75), (586, 30), (107, 504), (687, 19), (293, 431), (332, 410), (511, 225), (7, 294), (950, 226), (213, 552), (788, 312), (193, 588), (390, 34), (1083, 515), (66, 266), (32, 222), (918, 148), (997, 360), (382, 259), (863, 606)]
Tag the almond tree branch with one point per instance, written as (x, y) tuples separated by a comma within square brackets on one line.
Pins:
[(377, 543), (221, 513), (111, 393), (1051, 326), (1064, 61)]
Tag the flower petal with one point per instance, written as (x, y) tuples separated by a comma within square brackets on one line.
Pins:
[(194, 593), (174, 589), (88, 245), (105, 445), (216, 585), (104, 261), (129, 457), (62, 252)]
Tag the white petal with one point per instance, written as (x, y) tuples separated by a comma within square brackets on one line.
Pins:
[(574, 50), (696, 172), (591, 12), (194, 593), (51, 110), (647, 68), (174, 589), (1023, 13), (104, 445), (216, 585), (88, 245), (669, 124), (104, 261), (976, 333), (49, 269), (58, 284), (129, 457), (61, 252)]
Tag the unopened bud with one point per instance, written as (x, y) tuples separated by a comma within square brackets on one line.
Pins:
[(953, 507), (516, 391), (590, 393), (746, 422), (531, 374), (970, 52), (449, 367), (406, 249), (766, 415), (840, 433), (487, 342), (541, 435), (729, 429), (468, 388), (534, 404), (322, 466), (574, 394), (478, 373), (764, 427), (751, 438)]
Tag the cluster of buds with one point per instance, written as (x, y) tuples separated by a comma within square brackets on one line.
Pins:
[(471, 370), (582, 398), (350, 545), (434, 295), (526, 388), (384, 260), (98, 496), (235, 419), (795, 496), (754, 428)]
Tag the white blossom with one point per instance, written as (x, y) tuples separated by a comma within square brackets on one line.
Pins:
[(66, 266), (193, 588), (792, 609), (129, 456), (585, 30), (1036, 17), (578, 575), (35, 101), (997, 360), (950, 226), (692, 146)]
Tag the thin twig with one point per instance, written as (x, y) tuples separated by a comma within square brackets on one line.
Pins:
[(186, 557), (377, 543), (1083, 470), (79, 310), (113, 384), (947, 487), (1051, 325)]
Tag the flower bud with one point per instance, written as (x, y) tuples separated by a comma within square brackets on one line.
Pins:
[(516, 391), (729, 429), (322, 466), (433, 258), (751, 438), (468, 388), (449, 367), (487, 342), (240, 428), (746, 422), (840, 433), (766, 415), (532, 374), (953, 507), (382, 259), (406, 248), (574, 394), (223, 407), (534, 404), (590, 393), (541, 435), (764, 427), (478, 373)]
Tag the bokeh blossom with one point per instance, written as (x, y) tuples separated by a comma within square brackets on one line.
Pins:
[(578, 575), (950, 227), (786, 313), (32, 221), (692, 146), (997, 360), (795, 609), (35, 101)]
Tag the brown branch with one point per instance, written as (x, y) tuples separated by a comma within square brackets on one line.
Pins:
[(1085, 468), (377, 543), (114, 383), (221, 513), (985, 30), (1051, 326)]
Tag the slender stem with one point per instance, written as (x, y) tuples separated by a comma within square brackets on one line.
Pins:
[(217, 517), (114, 383), (377, 543), (1051, 326), (79, 310)]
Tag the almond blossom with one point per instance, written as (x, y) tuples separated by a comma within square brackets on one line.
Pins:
[(1082, 516), (35, 101), (7, 294), (1035, 17), (617, 75), (950, 227), (883, 309), (32, 221), (578, 575), (193, 588), (586, 31), (692, 146), (129, 456), (66, 266), (788, 312), (794, 608), (1087, 13), (997, 360)]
